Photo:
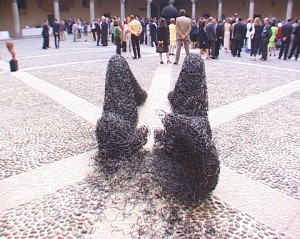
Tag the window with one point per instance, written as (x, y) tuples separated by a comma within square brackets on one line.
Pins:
[(85, 3), (21, 4)]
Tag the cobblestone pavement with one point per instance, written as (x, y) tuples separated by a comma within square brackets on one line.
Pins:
[(261, 146)]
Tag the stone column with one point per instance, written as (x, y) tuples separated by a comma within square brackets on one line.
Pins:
[(251, 8), (92, 10), (56, 10), (220, 9), (149, 9), (122, 15), (289, 9), (16, 18), (194, 8), (171, 2)]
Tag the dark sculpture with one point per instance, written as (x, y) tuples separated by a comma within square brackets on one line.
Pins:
[(187, 137), (116, 132), (13, 62), (189, 96)]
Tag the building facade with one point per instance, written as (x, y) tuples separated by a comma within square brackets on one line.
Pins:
[(16, 15)]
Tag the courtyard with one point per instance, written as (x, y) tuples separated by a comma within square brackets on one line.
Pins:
[(50, 187)]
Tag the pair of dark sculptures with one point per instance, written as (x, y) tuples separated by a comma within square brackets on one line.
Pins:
[(186, 137)]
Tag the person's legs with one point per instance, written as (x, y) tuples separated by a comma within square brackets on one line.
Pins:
[(118, 46), (217, 48), (292, 51), (286, 49), (178, 48), (45, 42), (297, 51), (186, 47), (168, 57), (137, 40), (207, 53), (160, 57), (57, 40), (256, 47), (240, 46), (74, 36), (98, 39), (281, 49), (48, 41), (128, 47), (264, 50), (133, 42)]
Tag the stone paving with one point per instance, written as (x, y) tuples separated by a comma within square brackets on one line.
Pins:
[(41, 132)]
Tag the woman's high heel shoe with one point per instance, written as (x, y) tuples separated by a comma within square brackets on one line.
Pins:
[(161, 62), (168, 62)]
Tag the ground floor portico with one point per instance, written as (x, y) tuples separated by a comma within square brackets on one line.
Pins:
[(19, 14)]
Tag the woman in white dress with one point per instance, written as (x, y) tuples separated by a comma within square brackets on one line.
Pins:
[(127, 38), (227, 28)]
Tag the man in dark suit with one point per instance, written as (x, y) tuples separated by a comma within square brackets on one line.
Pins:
[(265, 36), (220, 37), (286, 33), (296, 42), (239, 34), (212, 36), (104, 31), (56, 33), (98, 31), (45, 34)]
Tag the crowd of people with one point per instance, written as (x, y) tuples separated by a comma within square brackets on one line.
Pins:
[(234, 34)]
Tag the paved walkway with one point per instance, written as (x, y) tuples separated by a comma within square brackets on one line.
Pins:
[(272, 206)]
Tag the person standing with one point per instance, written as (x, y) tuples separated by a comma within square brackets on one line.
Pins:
[(183, 29), (117, 36), (127, 37), (286, 33), (212, 36), (45, 34), (56, 33), (255, 35), (172, 30), (85, 30), (93, 29), (227, 33), (142, 36), (163, 38), (63, 33), (203, 39), (104, 31), (98, 31), (194, 34), (220, 37), (239, 33), (272, 40), (265, 37), (248, 39), (296, 42), (153, 28), (135, 29), (75, 31)]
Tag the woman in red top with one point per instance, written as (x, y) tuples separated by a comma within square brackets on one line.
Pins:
[(278, 36)]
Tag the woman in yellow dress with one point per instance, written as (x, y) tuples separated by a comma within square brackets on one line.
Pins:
[(272, 40), (172, 30)]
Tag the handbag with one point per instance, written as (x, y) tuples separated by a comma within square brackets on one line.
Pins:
[(160, 48)]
